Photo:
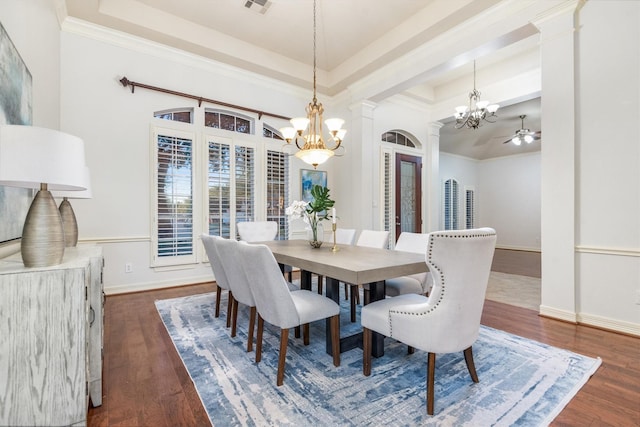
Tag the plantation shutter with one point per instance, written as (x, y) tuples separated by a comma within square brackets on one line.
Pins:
[(278, 191), (450, 204), (174, 195), (470, 209)]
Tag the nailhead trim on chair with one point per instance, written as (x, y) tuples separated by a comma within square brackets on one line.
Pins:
[(429, 252)]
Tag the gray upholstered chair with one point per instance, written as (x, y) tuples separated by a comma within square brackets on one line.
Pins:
[(280, 307), (448, 320), (415, 283), (229, 253), (261, 231), (219, 275), (344, 236), (371, 239)]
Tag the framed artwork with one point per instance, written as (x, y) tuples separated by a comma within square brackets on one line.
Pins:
[(15, 109), (309, 178)]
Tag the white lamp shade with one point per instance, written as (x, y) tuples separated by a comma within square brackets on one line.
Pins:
[(81, 194), (314, 157), (30, 156)]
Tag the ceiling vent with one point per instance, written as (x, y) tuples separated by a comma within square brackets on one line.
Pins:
[(260, 6)]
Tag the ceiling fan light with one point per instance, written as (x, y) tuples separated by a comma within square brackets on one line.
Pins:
[(528, 139), (493, 108), (516, 140)]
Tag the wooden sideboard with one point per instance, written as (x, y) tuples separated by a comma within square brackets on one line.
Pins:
[(51, 334)]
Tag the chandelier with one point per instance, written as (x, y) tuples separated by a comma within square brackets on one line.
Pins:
[(477, 111), (310, 144)]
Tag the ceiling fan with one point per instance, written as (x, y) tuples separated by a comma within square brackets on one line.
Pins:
[(523, 134)]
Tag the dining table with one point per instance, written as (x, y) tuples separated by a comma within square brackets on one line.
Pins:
[(355, 265)]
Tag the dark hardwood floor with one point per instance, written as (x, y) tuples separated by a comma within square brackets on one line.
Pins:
[(146, 384)]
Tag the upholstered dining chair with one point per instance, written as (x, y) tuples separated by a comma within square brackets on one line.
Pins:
[(344, 236), (280, 307), (448, 320), (414, 283), (371, 239), (229, 253), (219, 273), (261, 231)]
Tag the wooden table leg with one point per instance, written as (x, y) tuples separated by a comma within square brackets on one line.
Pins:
[(377, 292)]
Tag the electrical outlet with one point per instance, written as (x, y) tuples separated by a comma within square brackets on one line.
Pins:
[(128, 268)]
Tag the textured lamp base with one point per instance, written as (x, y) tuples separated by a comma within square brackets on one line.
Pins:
[(42, 234), (69, 224)]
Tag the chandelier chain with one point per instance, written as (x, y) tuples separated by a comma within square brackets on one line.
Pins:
[(314, 52)]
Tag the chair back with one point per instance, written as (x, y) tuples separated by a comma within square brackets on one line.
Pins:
[(460, 264), (269, 288), (229, 253), (345, 236), (412, 242), (219, 273), (257, 231), (373, 239)]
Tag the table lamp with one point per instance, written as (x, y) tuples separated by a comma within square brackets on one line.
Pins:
[(69, 222), (33, 157)]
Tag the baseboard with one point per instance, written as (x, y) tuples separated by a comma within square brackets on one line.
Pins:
[(609, 324), (155, 285), (518, 248), (554, 313)]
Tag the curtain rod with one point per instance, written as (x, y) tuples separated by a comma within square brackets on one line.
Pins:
[(126, 82)]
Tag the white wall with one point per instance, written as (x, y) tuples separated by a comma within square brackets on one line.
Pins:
[(509, 199), (507, 195)]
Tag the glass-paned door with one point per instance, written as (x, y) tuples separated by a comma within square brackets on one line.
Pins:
[(408, 194)]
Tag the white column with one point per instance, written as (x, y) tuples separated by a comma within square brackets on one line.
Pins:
[(364, 182), (558, 54), (431, 172)]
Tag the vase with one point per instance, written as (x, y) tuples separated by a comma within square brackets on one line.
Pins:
[(315, 235)]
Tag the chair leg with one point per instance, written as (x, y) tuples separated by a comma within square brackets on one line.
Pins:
[(218, 296), (284, 339), (431, 373), (366, 351), (229, 307), (367, 296), (234, 317), (468, 358), (335, 339), (259, 339), (346, 292), (410, 350), (320, 280), (252, 322), (305, 334)]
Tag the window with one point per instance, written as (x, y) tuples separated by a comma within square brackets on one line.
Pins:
[(269, 132), (230, 184), (470, 208), (211, 182), (399, 138), (450, 204), (174, 195), (228, 121), (185, 115)]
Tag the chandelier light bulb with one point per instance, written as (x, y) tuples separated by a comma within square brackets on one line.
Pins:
[(334, 124), (288, 133), (300, 124)]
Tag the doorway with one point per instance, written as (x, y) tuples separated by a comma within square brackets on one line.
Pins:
[(408, 194)]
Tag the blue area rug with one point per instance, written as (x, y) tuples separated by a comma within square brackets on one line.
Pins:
[(522, 382)]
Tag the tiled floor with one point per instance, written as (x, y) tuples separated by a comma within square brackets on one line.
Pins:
[(513, 289)]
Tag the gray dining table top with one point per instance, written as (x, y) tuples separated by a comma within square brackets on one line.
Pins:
[(351, 264)]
